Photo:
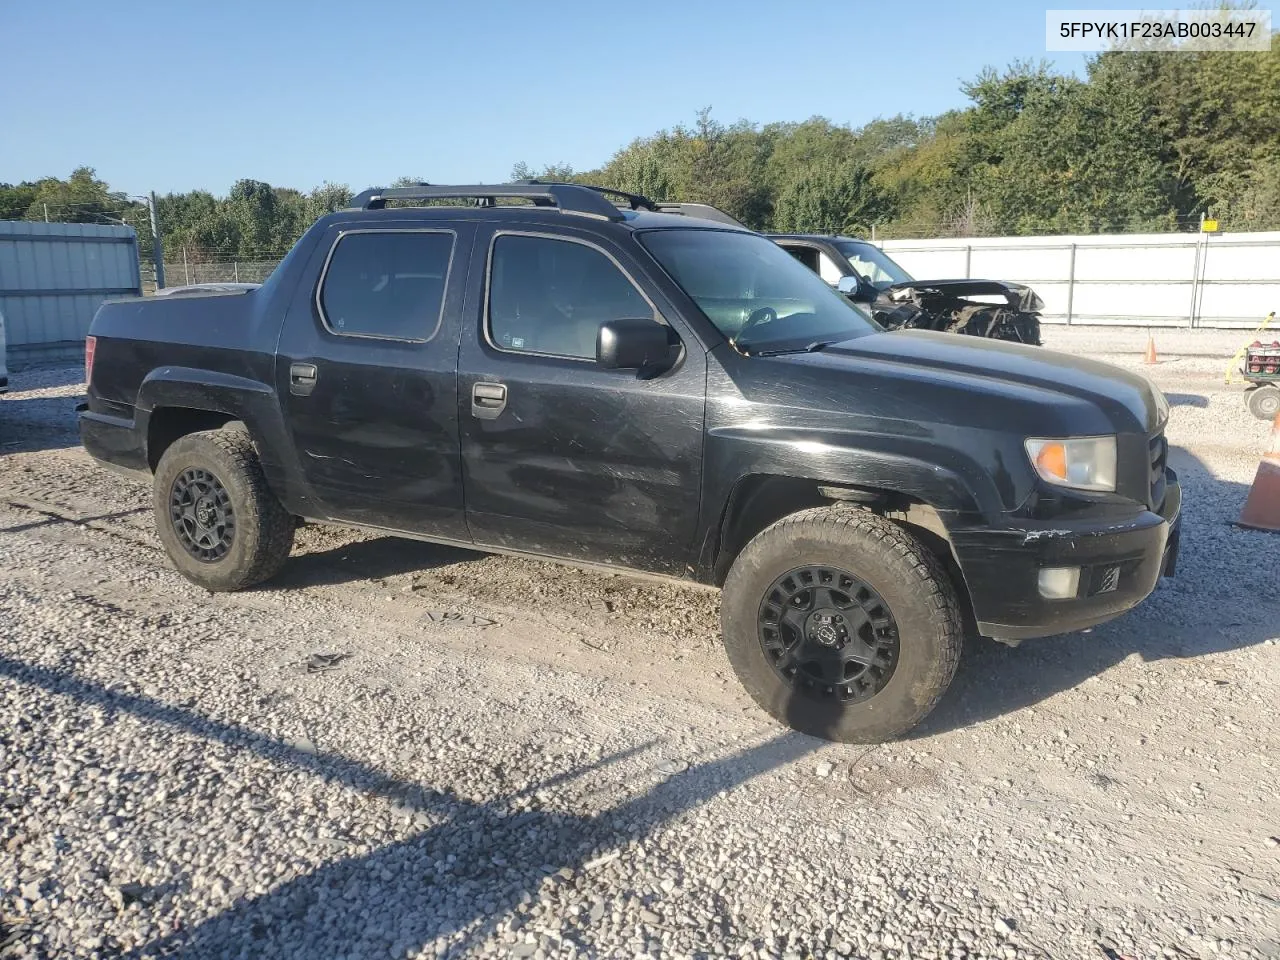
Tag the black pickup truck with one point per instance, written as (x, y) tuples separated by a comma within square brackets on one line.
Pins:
[(561, 371)]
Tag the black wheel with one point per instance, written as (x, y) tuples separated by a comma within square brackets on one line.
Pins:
[(1264, 401), (842, 625), (221, 525)]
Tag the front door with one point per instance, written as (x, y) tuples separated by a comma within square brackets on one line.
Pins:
[(367, 364), (562, 456)]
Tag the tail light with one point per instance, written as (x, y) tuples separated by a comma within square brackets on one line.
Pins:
[(90, 345)]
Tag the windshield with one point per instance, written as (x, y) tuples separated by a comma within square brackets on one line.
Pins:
[(872, 264), (757, 294)]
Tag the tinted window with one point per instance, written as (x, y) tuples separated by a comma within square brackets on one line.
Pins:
[(754, 291), (806, 255), (550, 296), (387, 284)]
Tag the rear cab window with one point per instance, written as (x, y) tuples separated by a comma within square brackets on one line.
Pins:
[(386, 284)]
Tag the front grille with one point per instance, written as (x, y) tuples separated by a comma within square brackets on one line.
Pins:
[(1159, 449)]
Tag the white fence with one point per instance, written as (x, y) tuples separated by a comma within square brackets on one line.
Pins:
[(1156, 280)]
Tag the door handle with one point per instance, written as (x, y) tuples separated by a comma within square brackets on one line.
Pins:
[(488, 400), (302, 379)]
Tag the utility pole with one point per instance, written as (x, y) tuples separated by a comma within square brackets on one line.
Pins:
[(46, 212), (157, 250)]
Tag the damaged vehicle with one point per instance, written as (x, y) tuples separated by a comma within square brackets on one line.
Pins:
[(867, 275)]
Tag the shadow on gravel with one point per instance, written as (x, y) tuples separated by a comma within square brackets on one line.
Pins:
[(1187, 400), (38, 423), (472, 865), (50, 520), (1223, 597), (367, 560)]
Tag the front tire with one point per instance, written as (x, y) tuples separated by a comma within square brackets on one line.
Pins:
[(841, 625), (218, 520)]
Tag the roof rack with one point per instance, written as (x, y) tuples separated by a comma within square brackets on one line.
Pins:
[(579, 198), (567, 197), (636, 202)]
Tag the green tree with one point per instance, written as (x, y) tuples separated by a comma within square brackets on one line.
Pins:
[(829, 197), (81, 198), (328, 198), (255, 209), (15, 200)]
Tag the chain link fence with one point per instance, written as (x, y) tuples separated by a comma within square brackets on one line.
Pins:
[(183, 272)]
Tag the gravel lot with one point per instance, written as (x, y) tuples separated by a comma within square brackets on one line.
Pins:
[(404, 750)]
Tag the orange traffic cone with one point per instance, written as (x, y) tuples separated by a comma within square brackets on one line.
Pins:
[(1262, 508), (1150, 355)]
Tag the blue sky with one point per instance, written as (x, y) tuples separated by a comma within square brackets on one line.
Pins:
[(185, 95)]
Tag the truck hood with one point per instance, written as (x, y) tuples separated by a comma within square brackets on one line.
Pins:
[(992, 367)]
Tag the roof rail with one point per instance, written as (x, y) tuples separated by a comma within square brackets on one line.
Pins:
[(567, 197), (580, 198), (637, 202), (633, 200), (703, 210)]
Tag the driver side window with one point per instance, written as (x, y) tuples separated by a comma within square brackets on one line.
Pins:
[(817, 261), (550, 296), (806, 255)]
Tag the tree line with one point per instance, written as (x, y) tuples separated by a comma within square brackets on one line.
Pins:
[(1144, 142)]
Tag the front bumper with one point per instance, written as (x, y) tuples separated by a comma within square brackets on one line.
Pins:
[(1120, 563)]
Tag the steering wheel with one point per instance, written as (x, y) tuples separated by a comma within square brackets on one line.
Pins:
[(757, 317)]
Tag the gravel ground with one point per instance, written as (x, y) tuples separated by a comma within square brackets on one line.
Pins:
[(391, 752)]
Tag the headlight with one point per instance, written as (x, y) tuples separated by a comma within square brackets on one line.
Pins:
[(1085, 463), (1162, 404)]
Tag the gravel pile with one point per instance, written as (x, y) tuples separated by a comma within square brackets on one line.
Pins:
[(182, 775)]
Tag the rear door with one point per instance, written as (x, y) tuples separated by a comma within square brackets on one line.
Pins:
[(367, 367), (562, 456)]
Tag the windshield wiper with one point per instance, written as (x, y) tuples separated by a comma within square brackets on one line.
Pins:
[(813, 347)]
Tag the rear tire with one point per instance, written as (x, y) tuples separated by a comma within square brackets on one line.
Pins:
[(218, 520), (1263, 402), (899, 623)]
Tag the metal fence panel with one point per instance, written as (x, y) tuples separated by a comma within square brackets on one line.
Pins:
[(1200, 280), (53, 278)]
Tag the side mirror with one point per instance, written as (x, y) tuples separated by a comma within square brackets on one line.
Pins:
[(631, 344), (855, 288)]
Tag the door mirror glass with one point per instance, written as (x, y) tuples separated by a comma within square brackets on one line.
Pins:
[(853, 288), (632, 344)]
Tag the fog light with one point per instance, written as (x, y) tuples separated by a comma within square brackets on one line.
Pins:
[(1059, 583)]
